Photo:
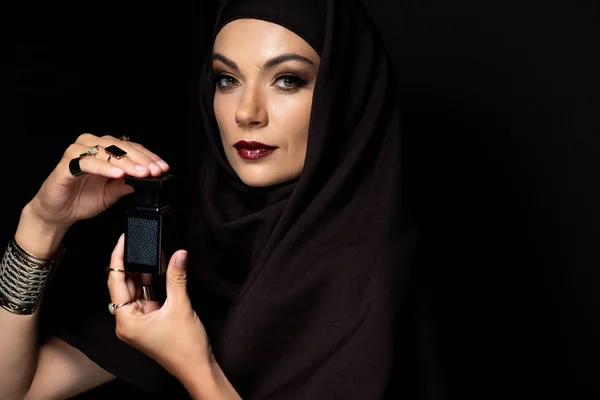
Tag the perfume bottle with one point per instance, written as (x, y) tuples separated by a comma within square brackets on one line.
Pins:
[(149, 232)]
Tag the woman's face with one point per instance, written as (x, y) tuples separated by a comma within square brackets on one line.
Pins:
[(265, 77)]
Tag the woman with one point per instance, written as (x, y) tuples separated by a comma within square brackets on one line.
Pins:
[(298, 250)]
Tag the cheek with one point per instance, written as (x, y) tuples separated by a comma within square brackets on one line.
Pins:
[(224, 113), (293, 115)]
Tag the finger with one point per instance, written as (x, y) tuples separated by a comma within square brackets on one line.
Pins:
[(117, 281), (147, 292), (148, 306), (115, 190), (139, 153), (135, 162), (89, 164), (133, 284), (176, 284), (141, 280), (158, 160)]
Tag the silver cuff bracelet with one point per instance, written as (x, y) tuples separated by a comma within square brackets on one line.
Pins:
[(23, 278)]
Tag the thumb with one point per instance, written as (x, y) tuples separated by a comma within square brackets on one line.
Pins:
[(176, 282), (116, 189)]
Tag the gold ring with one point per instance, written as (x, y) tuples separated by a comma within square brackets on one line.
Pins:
[(109, 157), (92, 151), (124, 138), (109, 269), (112, 307), (115, 151)]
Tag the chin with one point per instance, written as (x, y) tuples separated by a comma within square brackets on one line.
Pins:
[(253, 179), (258, 181)]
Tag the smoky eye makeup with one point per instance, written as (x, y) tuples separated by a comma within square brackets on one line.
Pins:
[(289, 82), (290, 78), (286, 79), (225, 82)]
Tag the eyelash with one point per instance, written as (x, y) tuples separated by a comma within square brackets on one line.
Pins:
[(299, 82)]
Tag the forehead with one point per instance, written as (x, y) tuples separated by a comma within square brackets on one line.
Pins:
[(258, 38)]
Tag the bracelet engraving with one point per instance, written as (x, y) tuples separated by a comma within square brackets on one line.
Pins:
[(23, 278)]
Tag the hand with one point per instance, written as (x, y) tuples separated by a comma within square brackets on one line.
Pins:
[(64, 199), (172, 335)]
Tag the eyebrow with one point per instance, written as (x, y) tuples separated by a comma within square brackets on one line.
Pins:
[(269, 63)]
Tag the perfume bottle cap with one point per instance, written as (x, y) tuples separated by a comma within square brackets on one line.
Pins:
[(150, 190)]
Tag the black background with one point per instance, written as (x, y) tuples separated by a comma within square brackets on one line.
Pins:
[(501, 103)]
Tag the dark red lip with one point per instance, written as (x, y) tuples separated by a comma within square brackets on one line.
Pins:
[(242, 144), (253, 150)]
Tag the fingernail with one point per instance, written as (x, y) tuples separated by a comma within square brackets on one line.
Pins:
[(140, 168), (162, 164), (154, 167), (181, 260), (116, 171)]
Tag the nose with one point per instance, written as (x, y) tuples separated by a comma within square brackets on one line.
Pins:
[(251, 112)]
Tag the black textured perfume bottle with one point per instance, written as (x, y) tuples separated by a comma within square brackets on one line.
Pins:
[(150, 223)]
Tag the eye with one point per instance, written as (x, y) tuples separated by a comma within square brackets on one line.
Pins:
[(289, 82), (226, 82)]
